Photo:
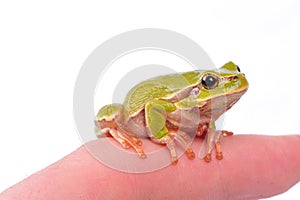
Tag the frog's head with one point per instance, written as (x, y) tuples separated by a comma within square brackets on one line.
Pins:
[(215, 89), (227, 81), (224, 81)]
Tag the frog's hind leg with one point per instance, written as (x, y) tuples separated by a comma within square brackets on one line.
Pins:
[(126, 139)]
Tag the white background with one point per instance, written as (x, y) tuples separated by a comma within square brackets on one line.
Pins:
[(43, 45)]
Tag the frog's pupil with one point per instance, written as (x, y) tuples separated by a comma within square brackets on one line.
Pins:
[(209, 82)]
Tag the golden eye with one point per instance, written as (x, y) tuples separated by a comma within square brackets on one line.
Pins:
[(210, 81)]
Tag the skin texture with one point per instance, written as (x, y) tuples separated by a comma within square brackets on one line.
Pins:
[(253, 167)]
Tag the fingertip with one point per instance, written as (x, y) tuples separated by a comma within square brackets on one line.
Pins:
[(252, 167)]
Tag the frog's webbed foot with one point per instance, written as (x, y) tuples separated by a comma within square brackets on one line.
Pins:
[(181, 138), (211, 141), (127, 140)]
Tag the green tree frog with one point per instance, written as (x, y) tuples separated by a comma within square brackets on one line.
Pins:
[(166, 108)]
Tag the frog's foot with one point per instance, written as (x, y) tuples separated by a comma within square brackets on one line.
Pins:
[(219, 154), (127, 140), (181, 138), (207, 157), (213, 141), (169, 141)]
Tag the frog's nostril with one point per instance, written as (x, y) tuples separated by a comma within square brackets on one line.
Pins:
[(233, 78)]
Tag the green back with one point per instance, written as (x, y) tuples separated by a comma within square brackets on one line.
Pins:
[(161, 87)]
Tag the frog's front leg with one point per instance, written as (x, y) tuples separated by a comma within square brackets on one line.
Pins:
[(156, 115), (211, 141)]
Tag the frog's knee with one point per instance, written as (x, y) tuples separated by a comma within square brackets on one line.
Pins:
[(109, 112)]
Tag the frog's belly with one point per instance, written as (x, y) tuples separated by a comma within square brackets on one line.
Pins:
[(184, 119), (194, 117), (137, 125), (210, 111)]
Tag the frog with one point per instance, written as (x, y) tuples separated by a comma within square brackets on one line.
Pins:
[(167, 108)]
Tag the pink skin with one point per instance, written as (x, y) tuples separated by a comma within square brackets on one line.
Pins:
[(253, 167)]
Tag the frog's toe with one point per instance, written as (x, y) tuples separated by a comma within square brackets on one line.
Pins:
[(171, 146), (174, 161), (138, 142), (219, 155), (182, 138), (207, 157), (125, 144), (190, 153), (116, 135), (134, 139), (127, 141), (227, 133), (134, 143), (179, 137)]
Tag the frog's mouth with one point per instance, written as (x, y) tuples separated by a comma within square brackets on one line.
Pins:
[(216, 106), (232, 98), (210, 110)]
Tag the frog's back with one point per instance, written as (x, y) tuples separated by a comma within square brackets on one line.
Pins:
[(161, 87)]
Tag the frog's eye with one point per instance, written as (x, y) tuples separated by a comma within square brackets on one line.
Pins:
[(210, 81), (237, 67)]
